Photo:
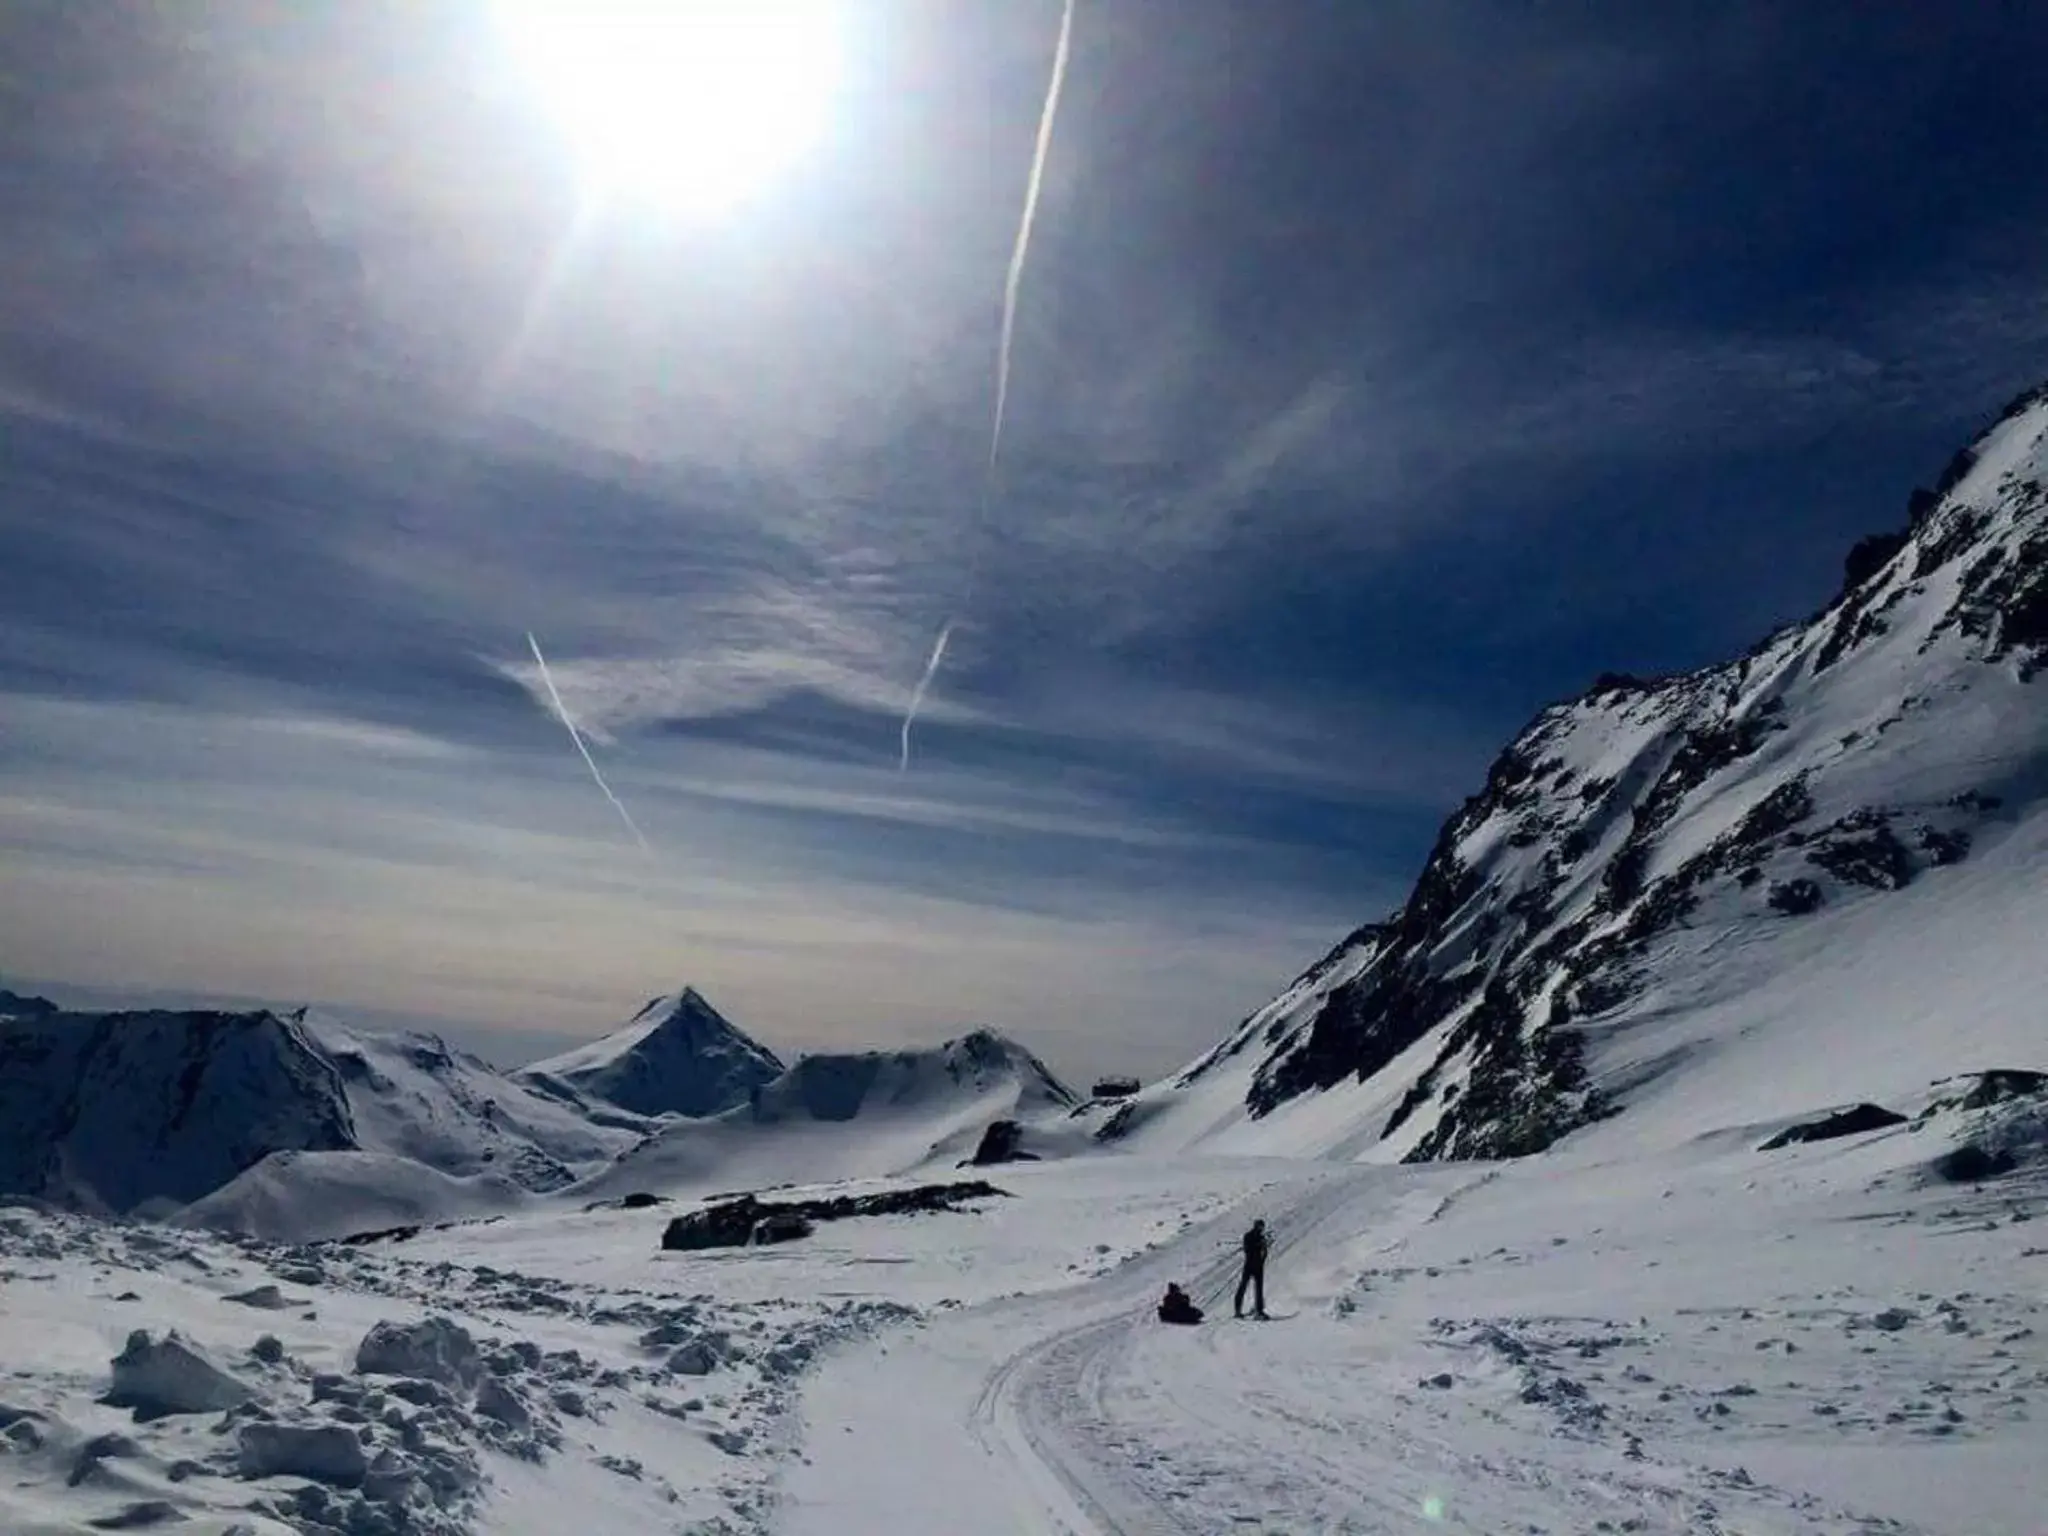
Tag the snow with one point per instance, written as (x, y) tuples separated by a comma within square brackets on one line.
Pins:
[(327, 1453), (412, 1096), (1692, 1338), (303, 1197), (157, 1377)]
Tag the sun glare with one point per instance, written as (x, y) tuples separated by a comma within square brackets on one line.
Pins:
[(689, 104)]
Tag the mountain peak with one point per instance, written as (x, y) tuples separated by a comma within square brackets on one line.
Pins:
[(677, 1055)]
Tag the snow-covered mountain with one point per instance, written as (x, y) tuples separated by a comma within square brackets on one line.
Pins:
[(841, 1115), (152, 1110), (410, 1095), (678, 1055), (105, 1112), (1808, 876)]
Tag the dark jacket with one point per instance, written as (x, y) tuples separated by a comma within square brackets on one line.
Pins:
[(1255, 1244)]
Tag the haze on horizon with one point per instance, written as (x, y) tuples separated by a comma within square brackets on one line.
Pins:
[(1380, 374)]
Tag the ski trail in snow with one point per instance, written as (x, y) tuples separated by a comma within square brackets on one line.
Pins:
[(562, 714), (1012, 282)]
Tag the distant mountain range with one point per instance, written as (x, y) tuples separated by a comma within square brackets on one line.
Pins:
[(298, 1125)]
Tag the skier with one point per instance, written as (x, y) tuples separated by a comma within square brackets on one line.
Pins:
[(1175, 1307), (1253, 1276)]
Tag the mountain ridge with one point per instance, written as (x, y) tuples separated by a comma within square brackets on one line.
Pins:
[(1626, 831)]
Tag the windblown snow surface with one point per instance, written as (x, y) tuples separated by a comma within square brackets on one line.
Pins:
[(1746, 965)]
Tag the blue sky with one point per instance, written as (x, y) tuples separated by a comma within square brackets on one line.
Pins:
[(1381, 374)]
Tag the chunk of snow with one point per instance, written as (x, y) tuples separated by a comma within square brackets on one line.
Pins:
[(434, 1349), (328, 1453), (170, 1376)]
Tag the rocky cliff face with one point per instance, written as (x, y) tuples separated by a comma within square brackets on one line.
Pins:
[(109, 1111), (1624, 835)]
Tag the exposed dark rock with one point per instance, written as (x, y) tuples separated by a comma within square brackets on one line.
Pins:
[(380, 1235), (1115, 1088), (1001, 1142), (1875, 857), (1987, 1089), (781, 1227), (1119, 1123), (1795, 898), (2001, 1084), (1869, 555), (732, 1223), (1619, 682), (1972, 1164), (1853, 1121), (638, 1200), (1944, 847)]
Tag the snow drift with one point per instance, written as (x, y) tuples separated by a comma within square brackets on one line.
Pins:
[(305, 1197)]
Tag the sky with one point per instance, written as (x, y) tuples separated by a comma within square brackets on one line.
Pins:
[(1381, 373)]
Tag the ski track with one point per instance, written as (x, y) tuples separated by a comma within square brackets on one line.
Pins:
[(1076, 1414)]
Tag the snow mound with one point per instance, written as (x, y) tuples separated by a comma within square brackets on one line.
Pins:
[(679, 1055), (306, 1197), (868, 1114)]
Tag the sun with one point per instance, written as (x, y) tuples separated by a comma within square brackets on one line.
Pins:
[(691, 105)]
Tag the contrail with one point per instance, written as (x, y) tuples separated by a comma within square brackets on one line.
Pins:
[(1011, 283), (917, 694), (1023, 246), (562, 714)]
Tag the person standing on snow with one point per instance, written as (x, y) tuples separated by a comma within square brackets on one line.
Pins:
[(1253, 1276)]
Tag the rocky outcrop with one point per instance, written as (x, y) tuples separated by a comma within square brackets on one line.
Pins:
[(733, 1223), (109, 1111), (1853, 1121)]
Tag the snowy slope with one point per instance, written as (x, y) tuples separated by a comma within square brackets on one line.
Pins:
[(1805, 877), (411, 1096), (679, 1055), (1698, 1342), (847, 1115), (305, 1197)]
